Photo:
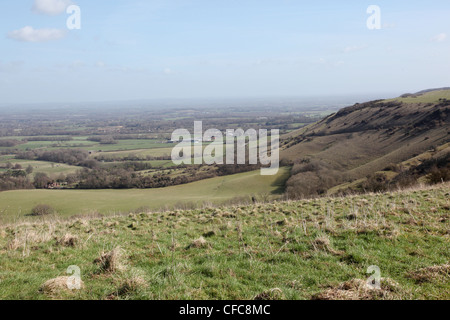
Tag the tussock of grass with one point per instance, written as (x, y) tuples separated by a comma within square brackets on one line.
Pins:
[(111, 261), (272, 294), (128, 286), (68, 240), (57, 286), (198, 243), (323, 243), (433, 273), (357, 289)]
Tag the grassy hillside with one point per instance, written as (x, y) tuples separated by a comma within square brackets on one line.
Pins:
[(393, 172), (427, 96), (360, 140), (17, 204), (311, 249)]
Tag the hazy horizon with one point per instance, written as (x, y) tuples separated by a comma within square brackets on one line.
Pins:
[(319, 101)]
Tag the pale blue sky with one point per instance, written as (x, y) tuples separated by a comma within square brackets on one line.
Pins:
[(153, 49)]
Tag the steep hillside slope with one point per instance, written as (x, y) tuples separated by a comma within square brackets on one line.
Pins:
[(365, 138)]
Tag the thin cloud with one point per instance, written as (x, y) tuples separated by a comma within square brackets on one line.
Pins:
[(100, 64), (168, 71), (10, 67), (77, 64), (354, 48), (439, 38), (29, 34), (51, 7)]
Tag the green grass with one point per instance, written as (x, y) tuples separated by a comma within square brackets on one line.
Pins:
[(429, 97), (248, 250), (161, 163), (16, 204), (51, 169), (156, 152), (128, 145), (52, 145), (83, 143)]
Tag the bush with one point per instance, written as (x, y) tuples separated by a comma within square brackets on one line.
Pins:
[(41, 180), (375, 183), (311, 184), (392, 167), (42, 210), (404, 179), (9, 143), (438, 175)]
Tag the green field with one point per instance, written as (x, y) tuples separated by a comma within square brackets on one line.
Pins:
[(160, 150), (155, 152), (124, 145), (83, 143), (49, 168), (17, 204), (428, 97)]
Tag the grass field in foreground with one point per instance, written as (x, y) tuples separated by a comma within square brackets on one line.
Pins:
[(17, 204), (318, 249)]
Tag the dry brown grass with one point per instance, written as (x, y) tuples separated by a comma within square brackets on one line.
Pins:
[(433, 273), (130, 282), (323, 243), (57, 285), (357, 289), (131, 285), (198, 243), (68, 240), (112, 261), (272, 294), (25, 238)]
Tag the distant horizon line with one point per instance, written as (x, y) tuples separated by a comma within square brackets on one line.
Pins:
[(295, 98), (248, 99)]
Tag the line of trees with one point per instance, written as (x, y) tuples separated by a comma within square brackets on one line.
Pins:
[(77, 157), (57, 138), (16, 178), (120, 176), (117, 177), (103, 139), (9, 143), (130, 157)]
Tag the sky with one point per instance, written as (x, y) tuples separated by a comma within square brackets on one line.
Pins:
[(194, 49)]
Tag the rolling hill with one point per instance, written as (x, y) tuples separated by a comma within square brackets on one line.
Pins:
[(17, 205), (364, 139)]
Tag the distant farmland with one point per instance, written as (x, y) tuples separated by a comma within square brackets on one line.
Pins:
[(17, 204)]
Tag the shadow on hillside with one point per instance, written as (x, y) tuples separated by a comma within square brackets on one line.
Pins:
[(280, 183)]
